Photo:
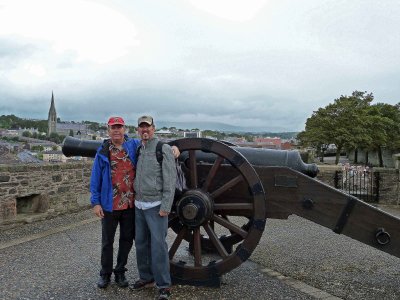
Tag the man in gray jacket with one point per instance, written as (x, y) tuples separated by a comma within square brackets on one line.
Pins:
[(154, 188)]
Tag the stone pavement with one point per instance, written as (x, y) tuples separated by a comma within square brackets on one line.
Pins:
[(296, 259)]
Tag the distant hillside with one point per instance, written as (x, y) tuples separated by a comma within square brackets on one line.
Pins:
[(199, 125), (222, 127), (14, 122)]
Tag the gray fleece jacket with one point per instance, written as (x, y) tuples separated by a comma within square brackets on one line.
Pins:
[(154, 182)]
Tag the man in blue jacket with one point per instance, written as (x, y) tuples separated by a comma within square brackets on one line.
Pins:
[(112, 199)]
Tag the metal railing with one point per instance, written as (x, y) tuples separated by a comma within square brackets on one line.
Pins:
[(359, 181)]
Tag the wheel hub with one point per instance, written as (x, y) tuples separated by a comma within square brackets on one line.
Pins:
[(195, 208)]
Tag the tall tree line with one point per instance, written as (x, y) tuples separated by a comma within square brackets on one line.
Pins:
[(14, 122), (353, 123)]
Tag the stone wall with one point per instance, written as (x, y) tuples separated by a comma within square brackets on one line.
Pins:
[(389, 161), (327, 174), (36, 190), (27, 189), (389, 188)]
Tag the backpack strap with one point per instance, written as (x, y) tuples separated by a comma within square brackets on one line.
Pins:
[(138, 152), (105, 148), (159, 154)]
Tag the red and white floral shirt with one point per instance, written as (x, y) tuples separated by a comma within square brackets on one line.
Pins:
[(122, 176)]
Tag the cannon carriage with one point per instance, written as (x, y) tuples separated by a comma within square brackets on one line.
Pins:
[(217, 223)]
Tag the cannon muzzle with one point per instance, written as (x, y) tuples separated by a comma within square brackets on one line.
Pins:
[(265, 158)]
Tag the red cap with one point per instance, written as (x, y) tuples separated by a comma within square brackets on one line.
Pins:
[(115, 121)]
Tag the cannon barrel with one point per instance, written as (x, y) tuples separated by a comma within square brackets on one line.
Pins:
[(265, 158), (256, 156), (77, 147)]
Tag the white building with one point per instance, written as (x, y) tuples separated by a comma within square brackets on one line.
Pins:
[(192, 134), (54, 156)]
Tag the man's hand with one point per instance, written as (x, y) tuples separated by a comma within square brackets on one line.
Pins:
[(176, 151), (163, 213), (98, 211)]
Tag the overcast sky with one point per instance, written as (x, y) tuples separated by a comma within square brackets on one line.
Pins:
[(262, 63)]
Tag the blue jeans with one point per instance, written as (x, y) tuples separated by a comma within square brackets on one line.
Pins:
[(151, 246)]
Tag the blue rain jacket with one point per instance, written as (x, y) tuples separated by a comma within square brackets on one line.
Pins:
[(100, 181)]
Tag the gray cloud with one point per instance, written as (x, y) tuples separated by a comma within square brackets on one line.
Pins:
[(272, 72)]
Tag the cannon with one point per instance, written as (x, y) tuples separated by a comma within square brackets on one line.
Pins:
[(217, 223)]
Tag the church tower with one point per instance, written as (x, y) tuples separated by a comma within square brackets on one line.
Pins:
[(52, 119)]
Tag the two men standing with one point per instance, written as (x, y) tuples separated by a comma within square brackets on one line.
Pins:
[(113, 199)]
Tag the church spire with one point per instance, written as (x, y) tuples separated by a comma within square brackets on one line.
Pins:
[(52, 118)]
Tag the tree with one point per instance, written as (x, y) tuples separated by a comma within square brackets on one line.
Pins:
[(26, 134), (131, 129), (13, 122), (56, 138), (94, 125), (37, 148), (383, 128), (340, 123), (393, 112), (8, 121)]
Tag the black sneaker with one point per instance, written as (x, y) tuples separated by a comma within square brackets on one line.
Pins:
[(120, 280), (164, 293), (141, 283), (104, 281)]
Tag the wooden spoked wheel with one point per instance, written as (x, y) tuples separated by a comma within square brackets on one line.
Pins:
[(224, 205)]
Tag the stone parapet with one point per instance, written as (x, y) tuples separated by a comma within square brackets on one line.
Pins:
[(28, 189), (31, 191), (389, 188), (327, 173)]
